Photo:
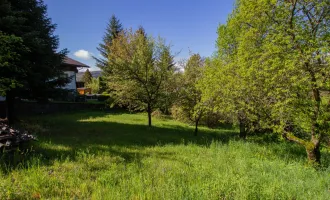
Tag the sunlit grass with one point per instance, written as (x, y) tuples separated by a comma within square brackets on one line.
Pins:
[(116, 156)]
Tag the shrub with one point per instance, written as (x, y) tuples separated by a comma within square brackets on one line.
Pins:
[(178, 114), (94, 85), (103, 97), (213, 120), (159, 114), (80, 98)]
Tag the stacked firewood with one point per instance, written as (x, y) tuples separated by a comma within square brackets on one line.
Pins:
[(11, 138)]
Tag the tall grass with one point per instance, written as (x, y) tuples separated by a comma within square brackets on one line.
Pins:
[(115, 156)]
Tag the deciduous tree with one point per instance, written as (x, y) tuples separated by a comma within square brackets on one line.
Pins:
[(276, 62), (139, 66), (190, 96)]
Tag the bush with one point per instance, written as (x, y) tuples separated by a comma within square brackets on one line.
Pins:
[(80, 98), (178, 114), (209, 119), (103, 97), (159, 114), (213, 120)]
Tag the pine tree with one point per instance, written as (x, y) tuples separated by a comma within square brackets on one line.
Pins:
[(114, 27), (87, 77), (32, 47)]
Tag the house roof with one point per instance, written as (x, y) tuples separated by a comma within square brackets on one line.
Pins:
[(70, 61), (95, 74)]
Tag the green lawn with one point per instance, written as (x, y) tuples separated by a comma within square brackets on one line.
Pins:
[(115, 155)]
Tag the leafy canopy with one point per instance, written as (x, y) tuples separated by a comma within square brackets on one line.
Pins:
[(271, 68), (138, 68)]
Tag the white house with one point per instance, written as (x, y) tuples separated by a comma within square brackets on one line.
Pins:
[(70, 68)]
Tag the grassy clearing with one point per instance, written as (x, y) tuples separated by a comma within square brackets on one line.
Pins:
[(116, 156)]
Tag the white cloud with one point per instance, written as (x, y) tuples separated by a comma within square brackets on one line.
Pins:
[(83, 54)]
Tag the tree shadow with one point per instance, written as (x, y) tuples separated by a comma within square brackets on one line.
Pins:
[(64, 136), (69, 136)]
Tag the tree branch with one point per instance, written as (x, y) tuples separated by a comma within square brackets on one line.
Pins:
[(291, 137)]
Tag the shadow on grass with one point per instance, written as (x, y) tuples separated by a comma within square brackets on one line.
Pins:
[(68, 137)]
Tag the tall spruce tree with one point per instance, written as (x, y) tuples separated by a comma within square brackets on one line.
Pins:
[(29, 59), (114, 27)]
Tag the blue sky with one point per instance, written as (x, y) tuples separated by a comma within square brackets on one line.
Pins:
[(186, 25)]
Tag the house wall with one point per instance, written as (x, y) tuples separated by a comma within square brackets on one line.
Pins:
[(72, 84)]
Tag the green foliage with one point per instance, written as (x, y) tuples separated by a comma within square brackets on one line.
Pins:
[(178, 114), (102, 84), (158, 114), (139, 66), (190, 96), (271, 66), (114, 156), (113, 29), (170, 90), (103, 97), (31, 51), (87, 77), (11, 74), (94, 85)]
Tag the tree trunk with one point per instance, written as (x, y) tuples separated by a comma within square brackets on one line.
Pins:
[(149, 114), (242, 131), (10, 99), (313, 147), (196, 127), (313, 151)]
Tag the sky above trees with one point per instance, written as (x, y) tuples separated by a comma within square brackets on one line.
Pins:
[(187, 25)]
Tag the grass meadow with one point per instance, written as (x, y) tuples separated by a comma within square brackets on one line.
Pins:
[(98, 155)]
